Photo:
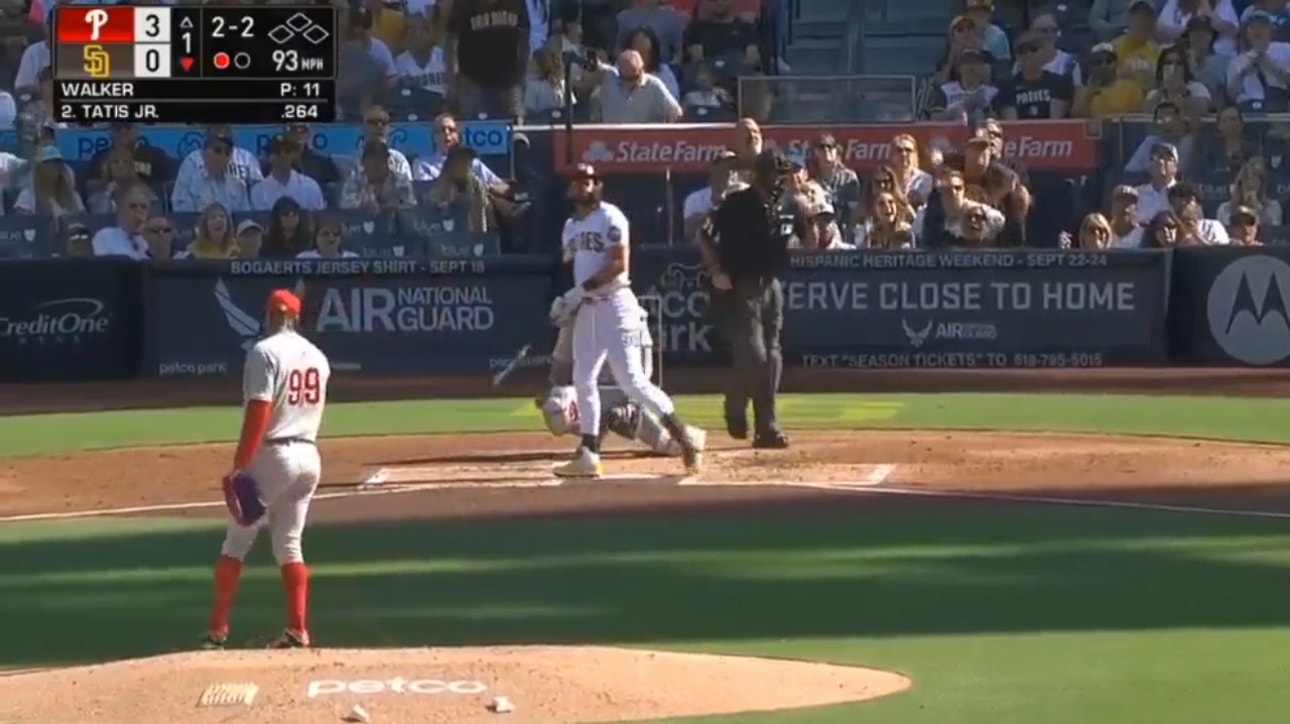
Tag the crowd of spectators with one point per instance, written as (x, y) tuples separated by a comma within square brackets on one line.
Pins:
[(630, 61), (1192, 180), (1198, 69)]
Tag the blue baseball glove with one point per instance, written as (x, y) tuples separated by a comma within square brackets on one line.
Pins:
[(242, 496)]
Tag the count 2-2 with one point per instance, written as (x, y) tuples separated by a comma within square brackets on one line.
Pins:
[(245, 26)]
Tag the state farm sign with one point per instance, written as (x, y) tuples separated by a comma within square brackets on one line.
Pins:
[(1042, 145)]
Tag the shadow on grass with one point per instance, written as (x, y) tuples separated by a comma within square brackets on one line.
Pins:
[(652, 580)]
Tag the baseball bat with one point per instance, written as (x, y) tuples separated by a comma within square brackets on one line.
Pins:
[(506, 371)]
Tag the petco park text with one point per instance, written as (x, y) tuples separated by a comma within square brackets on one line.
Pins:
[(397, 685), (467, 307)]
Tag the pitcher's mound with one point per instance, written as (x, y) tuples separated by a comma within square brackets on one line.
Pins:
[(555, 684)]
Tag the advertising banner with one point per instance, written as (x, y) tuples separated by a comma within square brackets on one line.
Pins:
[(490, 139), (949, 309), (70, 320), (1059, 145), (1229, 305), (382, 316)]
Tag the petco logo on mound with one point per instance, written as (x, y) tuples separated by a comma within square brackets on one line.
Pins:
[(397, 685), (59, 320)]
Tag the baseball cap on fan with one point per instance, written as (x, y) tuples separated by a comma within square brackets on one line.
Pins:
[(584, 170), (284, 301)]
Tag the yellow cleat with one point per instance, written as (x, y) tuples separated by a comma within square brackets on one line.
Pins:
[(585, 464), (693, 462)]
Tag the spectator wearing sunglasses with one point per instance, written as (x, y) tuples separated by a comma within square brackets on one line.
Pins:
[(1094, 234), (1034, 92), (376, 128), (125, 239), (447, 136), (1126, 232), (77, 242), (284, 180), (1043, 33), (1244, 230), (841, 185), (992, 130), (1184, 199), (1107, 94), (159, 233), (1161, 231), (213, 181), (241, 163)]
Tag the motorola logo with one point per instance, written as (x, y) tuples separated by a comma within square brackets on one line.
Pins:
[(1247, 310)]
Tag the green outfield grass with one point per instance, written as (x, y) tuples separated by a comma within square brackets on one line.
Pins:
[(1016, 616)]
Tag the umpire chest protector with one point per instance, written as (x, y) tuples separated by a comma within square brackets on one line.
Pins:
[(752, 234)]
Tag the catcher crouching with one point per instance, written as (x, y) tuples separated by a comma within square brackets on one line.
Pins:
[(619, 414)]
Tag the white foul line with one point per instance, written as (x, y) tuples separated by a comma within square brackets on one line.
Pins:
[(1069, 502)]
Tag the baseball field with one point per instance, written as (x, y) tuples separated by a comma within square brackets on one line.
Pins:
[(975, 548)]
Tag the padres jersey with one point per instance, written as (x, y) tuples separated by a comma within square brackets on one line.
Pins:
[(290, 373), (587, 241)]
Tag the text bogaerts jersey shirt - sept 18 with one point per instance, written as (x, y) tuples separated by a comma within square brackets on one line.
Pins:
[(290, 373), (587, 243)]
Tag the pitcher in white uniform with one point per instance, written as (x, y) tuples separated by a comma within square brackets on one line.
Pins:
[(608, 324), (284, 388)]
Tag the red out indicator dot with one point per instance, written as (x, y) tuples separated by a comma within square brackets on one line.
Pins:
[(221, 61)]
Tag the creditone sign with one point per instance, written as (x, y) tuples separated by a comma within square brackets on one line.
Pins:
[(1059, 145), (69, 319), (396, 685)]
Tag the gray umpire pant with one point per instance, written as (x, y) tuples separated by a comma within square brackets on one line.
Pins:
[(751, 317)]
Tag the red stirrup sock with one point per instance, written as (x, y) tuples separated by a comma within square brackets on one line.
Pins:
[(295, 584), (227, 572)]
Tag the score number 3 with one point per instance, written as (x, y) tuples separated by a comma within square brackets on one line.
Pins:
[(304, 387)]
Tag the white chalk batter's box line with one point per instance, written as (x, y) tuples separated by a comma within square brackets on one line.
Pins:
[(862, 487)]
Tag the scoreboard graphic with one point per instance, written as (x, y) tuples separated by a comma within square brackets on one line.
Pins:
[(194, 64)]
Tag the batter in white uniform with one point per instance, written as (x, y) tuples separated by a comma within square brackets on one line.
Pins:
[(608, 324), (284, 388)]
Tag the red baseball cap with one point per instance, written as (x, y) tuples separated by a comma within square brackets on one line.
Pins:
[(284, 300)]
